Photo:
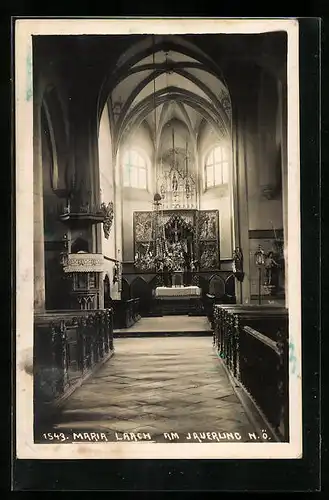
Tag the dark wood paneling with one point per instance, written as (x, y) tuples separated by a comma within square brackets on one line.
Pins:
[(266, 234), (143, 285), (54, 246)]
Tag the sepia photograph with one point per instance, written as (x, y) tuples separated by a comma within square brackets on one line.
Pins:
[(158, 227)]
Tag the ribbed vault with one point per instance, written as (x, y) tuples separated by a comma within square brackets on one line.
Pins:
[(166, 77)]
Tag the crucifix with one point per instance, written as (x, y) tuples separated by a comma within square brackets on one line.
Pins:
[(176, 231)]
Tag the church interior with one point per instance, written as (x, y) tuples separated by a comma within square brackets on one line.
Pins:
[(160, 234)]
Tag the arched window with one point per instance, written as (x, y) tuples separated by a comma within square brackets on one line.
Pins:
[(135, 170), (216, 167)]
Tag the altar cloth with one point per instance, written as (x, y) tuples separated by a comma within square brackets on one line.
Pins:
[(177, 291)]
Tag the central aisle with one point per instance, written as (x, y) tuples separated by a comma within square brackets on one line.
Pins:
[(158, 385)]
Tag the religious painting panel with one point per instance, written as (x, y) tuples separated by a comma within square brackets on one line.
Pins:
[(175, 234), (209, 255), (142, 226), (142, 260), (193, 232), (208, 225), (208, 238), (188, 216)]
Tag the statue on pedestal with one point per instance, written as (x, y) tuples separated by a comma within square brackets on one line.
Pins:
[(270, 268), (237, 265)]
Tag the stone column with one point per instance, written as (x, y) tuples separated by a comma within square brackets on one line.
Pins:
[(85, 161), (235, 197), (38, 226), (240, 202), (284, 167), (197, 173), (86, 165), (95, 174), (267, 114), (82, 156), (118, 211), (242, 184)]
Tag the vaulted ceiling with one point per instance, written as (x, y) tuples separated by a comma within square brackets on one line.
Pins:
[(158, 78), (166, 78)]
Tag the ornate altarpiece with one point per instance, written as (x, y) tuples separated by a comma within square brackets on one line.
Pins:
[(196, 231)]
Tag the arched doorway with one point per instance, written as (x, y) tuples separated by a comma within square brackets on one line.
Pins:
[(142, 290), (107, 292)]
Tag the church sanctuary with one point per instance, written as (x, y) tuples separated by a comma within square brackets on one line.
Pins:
[(160, 237)]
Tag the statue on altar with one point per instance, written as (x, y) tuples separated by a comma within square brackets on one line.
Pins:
[(187, 269), (167, 270), (177, 256)]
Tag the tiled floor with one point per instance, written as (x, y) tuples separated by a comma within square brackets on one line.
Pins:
[(168, 324), (157, 385)]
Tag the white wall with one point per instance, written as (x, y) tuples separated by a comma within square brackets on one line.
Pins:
[(260, 140), (135, 199), (262, 143), (217, 198), (109, 192)]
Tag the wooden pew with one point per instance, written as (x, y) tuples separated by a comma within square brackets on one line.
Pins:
[(253, 343), (209, 301), (126, 312), (272, 318), (264, 373), (67, 346)]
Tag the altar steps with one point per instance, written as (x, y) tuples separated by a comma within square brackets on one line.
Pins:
[(169, 310), (167, 326), (179, 308)]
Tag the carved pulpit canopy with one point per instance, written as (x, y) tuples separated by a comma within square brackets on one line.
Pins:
[(83, 262)]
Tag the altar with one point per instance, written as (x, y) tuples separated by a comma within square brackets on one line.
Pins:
[(177, 291), (178, 300)]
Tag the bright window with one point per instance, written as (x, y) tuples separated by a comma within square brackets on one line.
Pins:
[(216, 167), (135, 170)]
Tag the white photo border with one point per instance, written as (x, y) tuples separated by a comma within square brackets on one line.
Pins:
[(25, 28)]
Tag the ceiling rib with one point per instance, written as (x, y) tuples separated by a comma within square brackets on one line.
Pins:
[(208, 104)]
